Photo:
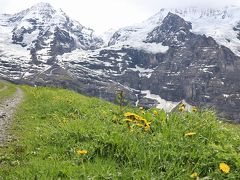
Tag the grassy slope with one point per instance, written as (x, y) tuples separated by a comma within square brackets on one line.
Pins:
[(53, 124), (7, 92)]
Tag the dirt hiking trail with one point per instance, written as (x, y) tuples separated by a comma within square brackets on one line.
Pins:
[(7, 110)]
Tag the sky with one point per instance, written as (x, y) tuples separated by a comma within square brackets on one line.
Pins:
[(102, 15)]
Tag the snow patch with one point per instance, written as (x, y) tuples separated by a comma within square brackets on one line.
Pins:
[(153, 48), (226, 95), (162, 103), (142, 71)]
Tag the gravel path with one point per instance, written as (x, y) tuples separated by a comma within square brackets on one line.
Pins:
[(7, 109)]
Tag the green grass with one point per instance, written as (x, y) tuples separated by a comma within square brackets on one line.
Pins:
[(53, 124), (8, 91)]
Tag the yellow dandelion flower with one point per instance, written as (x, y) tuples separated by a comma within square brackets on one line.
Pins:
[(147, 126), (189, 134), (194, 175), (144, 121), (129, 114), (155, 112), (82, 152), (128, 120), (139, 118), (181, 108), (148, 123), (194, 109), (182, 105), (133, 116), (224, 168), (139, 125)]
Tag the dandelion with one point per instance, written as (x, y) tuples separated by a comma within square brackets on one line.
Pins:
[(147, 123), (190, 134), (128, 114), (144, 121), (181, 108), (194, 175), (194, 109), (147, 128), (136, 120), (155, 112), (224, 168), (128, 120), (182, 105), (82, 152), (133, 116), (139, 125)]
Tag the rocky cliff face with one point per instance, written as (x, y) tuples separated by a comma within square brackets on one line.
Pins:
[(196, 68), (157, 63)]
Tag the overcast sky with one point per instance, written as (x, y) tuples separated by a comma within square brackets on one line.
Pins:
[(102, 15)]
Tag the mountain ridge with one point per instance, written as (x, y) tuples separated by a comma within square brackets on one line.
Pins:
[(220, 23)]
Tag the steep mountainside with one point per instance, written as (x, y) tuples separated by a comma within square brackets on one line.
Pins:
[(184, 55), (221, 24), (35, 36)]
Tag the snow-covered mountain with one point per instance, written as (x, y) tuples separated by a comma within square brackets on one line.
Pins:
[(222, 24), (176, 55), (31, 39), (47, 32)]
